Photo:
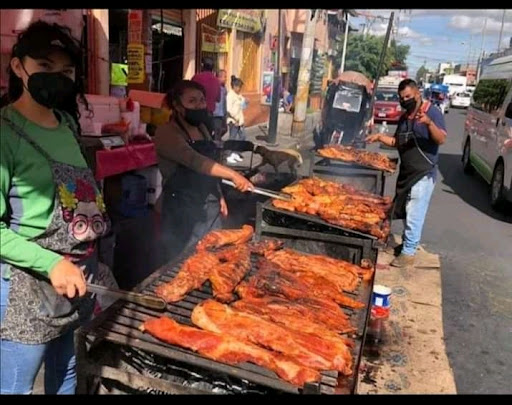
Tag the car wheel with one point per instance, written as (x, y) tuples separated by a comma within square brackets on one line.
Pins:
[(497, 197), (466, 162)]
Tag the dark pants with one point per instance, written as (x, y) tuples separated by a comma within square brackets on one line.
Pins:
[(185, 220), (219, 128)]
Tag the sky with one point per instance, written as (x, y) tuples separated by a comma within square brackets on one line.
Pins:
[(442, 35)]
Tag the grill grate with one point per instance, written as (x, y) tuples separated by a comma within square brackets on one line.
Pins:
[(119, 325)]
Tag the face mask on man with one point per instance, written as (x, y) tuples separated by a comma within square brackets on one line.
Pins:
[(50, 89), (408, 105), (197, 117)]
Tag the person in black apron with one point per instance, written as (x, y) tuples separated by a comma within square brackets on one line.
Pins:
[(40, 310), (420, 131), (192, 201)]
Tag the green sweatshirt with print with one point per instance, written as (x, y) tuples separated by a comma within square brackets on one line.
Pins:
[(27, 189)]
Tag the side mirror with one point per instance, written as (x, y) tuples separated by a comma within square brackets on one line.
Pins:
[(508, 113)]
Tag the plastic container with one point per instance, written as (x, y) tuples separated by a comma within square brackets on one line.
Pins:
[(381, 304)]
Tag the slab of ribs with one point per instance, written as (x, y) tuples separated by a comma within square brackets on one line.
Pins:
[(339, 204), (308, 350), (288, 316), (222, 347), (225, 268), (363, 157)]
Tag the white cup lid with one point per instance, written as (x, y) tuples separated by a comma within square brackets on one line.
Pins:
[(382, 290)]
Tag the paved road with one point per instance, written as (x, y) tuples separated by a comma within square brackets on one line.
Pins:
[(475, 245)]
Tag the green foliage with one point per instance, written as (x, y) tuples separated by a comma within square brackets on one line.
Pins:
[(363, 54), (420, 74)]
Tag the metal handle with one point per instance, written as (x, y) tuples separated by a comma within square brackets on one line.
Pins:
[(136, 298), (261, 191)]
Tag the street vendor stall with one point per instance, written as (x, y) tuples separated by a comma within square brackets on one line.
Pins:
[(313, 354)]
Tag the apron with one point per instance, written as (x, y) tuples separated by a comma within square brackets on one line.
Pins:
[(191, 201), (414, 165), (35, 313)]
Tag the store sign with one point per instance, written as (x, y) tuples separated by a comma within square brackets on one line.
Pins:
[(135, 27), (135, 63), (241, 19), (215, 43), (267, 87)]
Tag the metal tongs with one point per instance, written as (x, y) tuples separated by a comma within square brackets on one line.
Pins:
[(263, 191), (149, 301)]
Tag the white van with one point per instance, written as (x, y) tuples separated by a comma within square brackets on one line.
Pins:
[(487, 140)]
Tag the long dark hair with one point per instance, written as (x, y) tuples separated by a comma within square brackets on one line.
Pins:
[(175, 93), (38, 32)]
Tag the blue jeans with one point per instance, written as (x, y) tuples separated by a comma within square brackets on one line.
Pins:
[(236, 133), (20, 363), (416, 211)]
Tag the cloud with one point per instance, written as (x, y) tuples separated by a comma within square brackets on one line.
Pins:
[(476, 24)]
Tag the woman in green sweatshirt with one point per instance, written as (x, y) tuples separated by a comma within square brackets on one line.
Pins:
[(51, 212)]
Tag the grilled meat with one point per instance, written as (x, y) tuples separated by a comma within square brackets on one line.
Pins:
[(308, 350), (271, 279), (339, 204), (284, 315), (234, 263), (341, 274), (222, 237), (193, 273), (265, 246), (348, 154), (221, 347), (317, 310)]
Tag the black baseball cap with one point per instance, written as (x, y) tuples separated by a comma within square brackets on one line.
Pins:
[(41, 38)]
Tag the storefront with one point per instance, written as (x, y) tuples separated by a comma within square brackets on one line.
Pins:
[(246, 30)]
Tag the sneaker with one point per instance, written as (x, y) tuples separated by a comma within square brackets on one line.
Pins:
[(231, 160), (238, 157), (403, 261)]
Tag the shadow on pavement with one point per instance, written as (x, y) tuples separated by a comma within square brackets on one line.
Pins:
[(471, 188)]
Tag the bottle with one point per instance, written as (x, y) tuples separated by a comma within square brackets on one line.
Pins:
[(379, 316)]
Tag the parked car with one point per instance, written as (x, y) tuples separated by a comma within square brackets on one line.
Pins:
[(487, 140), (461, 100), (387, 105)]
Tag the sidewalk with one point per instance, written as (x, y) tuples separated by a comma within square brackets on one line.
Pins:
[(285, 139), (412, 356)]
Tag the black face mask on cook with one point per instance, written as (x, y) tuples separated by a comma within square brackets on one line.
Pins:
[(51, 89), (408, 105), (197, 117)]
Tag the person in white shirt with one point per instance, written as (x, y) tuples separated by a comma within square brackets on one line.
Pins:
[(220, 113), (236, 104)]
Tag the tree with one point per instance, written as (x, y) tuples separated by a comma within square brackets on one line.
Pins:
[(363, 55), (421, 73)]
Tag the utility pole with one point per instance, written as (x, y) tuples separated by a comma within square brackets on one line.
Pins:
[(480, 59), (469, 53), (274, 109), (382, 56), (345, 39), (501, 30), (308, 42)]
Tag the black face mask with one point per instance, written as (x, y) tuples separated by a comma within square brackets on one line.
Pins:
[(197, 117), (51, 89), (408, 105)]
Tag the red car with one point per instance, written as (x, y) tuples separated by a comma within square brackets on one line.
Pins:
[(387, 106)]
